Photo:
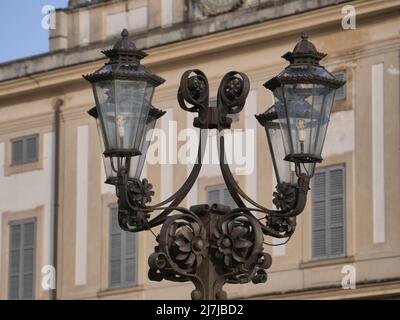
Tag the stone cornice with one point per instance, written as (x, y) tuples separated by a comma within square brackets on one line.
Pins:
[(244, 36)]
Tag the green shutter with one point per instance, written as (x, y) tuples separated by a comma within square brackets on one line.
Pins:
[(17, 151), (130, 263), (336, 213), (25, 150), (220, 194), (31, 149), (123, 254), (115, 249), (328, 205), (227, 198), (22, 260), (319, 215), (213, 196)]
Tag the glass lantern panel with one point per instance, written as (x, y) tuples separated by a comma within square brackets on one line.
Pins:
[(105, 102), (132, 107), (284, 170), (137, 163), (281, 113), (110, 174), (323, 101), (307, 168), (302, 117)]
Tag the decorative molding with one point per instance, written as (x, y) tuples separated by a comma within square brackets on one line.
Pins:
[(207, 44), (216, 7)]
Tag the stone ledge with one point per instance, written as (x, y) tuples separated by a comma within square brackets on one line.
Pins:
[(326, 262)]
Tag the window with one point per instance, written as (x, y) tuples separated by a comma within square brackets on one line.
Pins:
[(24, 150), (220, 194), (328, 216), (22, 251), (341, 92), (123, 254), (233, 116)]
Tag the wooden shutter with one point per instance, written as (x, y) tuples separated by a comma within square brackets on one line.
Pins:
[(22, 260), (123, 254), (130, 262), (328, 228), (31, 149), (25, 150), (340, 93), (115, 250), (17, 151), (227, 198), (336, 213), (14, 261), (221, 195), (213, 196), (319, 215)]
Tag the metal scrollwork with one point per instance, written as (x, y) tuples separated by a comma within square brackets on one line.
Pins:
[(210, 245), (210, 251), (232, 92), (238, 244), (194, 90), (182, 245)]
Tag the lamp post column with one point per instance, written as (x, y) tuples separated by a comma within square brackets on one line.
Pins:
[(209, 272)]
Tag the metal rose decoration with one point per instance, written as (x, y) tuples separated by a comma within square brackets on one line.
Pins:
[(196, 86), (285, 196), (190, 244), (233, 242), (283, 225), (141, 192)]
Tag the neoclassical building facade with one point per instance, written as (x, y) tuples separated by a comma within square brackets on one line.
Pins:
[(55, 209)]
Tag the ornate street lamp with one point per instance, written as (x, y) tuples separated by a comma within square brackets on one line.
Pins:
[(212, 245), (123, 90), (304, 94)]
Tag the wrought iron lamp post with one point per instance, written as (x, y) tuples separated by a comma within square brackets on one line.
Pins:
[(212, 245)]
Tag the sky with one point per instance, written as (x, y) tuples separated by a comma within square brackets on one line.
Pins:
[(21, 32)]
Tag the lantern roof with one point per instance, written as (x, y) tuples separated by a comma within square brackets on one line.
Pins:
[(124, 64), (154, 112), (304, 67), (268, 115)]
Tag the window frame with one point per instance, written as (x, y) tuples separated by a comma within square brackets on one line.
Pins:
[(329, 256), (25, 159)]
